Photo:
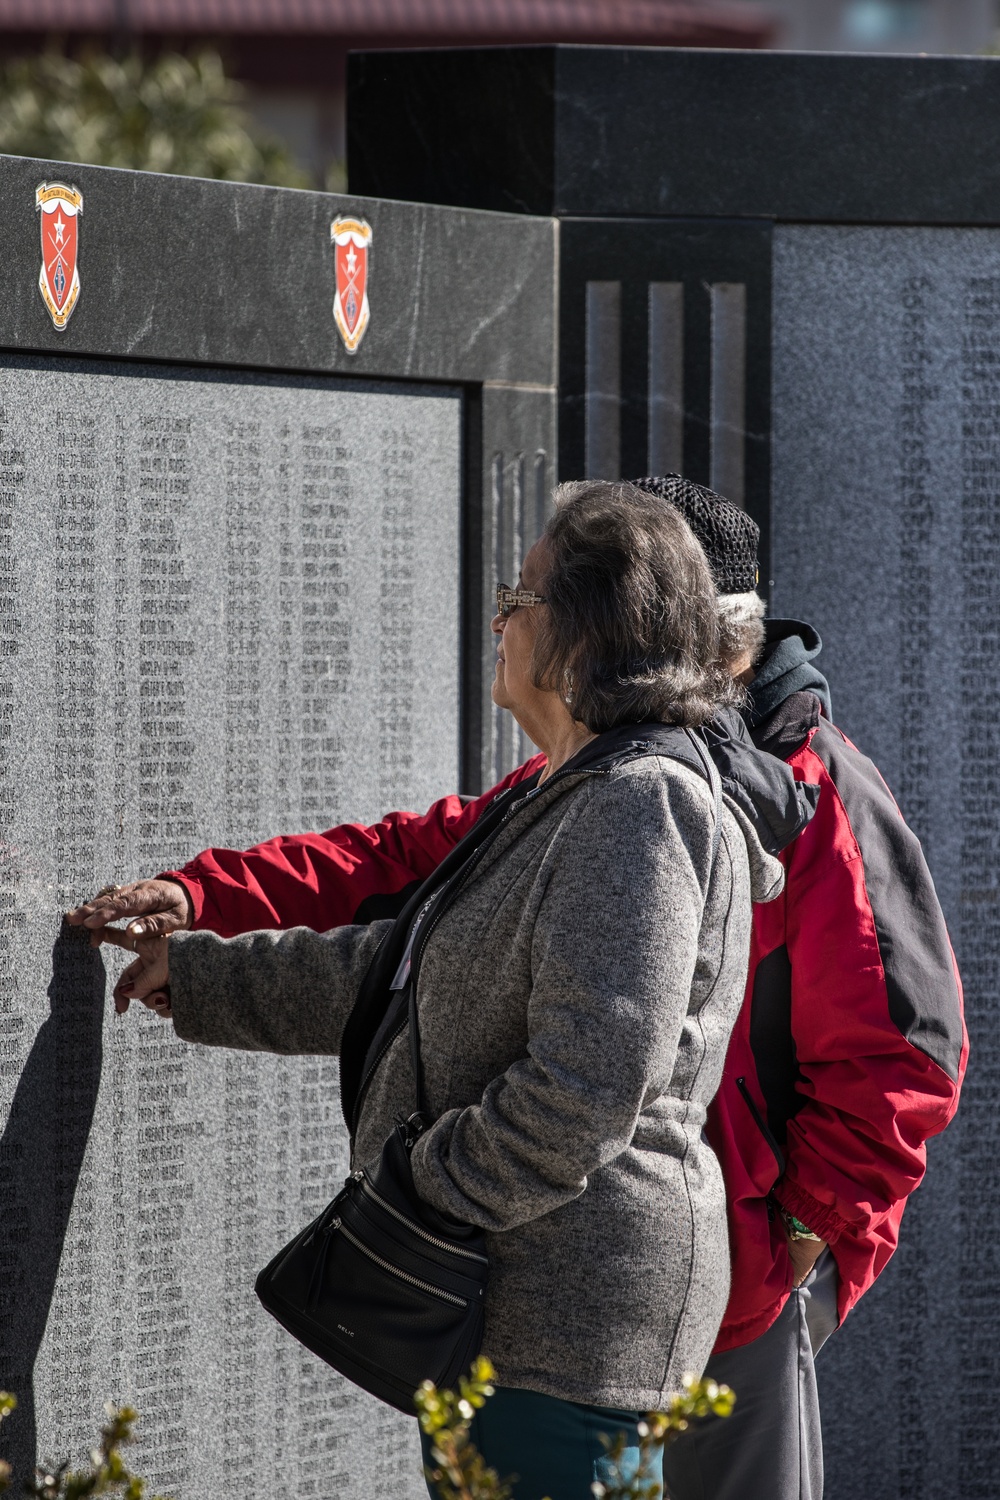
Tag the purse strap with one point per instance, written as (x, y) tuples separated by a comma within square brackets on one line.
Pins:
[(416, 1060), (371, 1019)]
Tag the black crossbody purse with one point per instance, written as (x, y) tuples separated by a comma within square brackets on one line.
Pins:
[(381, 1286)]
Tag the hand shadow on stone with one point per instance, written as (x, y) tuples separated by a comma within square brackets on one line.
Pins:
[(41, 1155)]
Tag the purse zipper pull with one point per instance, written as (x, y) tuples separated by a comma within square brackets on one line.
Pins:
[(322, 1224), (319, 1269)]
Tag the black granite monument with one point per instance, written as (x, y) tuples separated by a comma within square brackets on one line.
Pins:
[(782, 274), (263, 455)]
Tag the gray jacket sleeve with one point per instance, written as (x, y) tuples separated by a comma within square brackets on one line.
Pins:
[(286, 992), (613, 960)]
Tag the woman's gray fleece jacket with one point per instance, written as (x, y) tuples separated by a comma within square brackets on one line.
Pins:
[(575, 1003)]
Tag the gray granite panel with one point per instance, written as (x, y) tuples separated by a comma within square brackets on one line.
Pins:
[(887, 537), (229, 607), (178, 268)]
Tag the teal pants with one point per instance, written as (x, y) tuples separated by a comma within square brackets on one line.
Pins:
[(553, 1447)]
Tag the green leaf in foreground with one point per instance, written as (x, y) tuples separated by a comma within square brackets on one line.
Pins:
[(107, 1474)]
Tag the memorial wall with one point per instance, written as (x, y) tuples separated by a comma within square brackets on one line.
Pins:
[(242, 579)]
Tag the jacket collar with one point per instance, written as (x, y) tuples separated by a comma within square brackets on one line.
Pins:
[(789, 727)]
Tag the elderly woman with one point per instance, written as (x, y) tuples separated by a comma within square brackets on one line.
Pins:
[(575, 997)]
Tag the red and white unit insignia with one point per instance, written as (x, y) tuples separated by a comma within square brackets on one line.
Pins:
[(59, 279), (351, 239)]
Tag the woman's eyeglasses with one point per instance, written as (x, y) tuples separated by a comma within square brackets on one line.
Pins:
[(509, 599)]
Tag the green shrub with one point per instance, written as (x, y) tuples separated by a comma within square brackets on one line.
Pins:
[(171, 113)]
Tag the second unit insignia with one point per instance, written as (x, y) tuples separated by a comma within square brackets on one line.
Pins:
[(59, 279), (351, 239)]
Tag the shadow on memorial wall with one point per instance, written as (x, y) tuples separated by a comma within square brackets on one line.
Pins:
[(41, 1154)]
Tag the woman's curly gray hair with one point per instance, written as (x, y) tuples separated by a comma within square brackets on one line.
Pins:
[(631, 632)]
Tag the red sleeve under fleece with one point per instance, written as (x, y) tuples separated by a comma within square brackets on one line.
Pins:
[(320, 880)]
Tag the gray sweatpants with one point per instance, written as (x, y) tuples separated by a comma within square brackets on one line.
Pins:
[(771, 1448)]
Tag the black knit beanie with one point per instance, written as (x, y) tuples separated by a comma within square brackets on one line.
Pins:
[(727, 534)]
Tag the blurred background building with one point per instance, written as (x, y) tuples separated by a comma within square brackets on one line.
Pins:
[(289, 55), (885, 25)]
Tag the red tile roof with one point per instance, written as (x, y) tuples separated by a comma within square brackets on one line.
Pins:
[(704, 22)]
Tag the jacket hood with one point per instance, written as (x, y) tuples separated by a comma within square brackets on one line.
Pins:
[(786, 667), (767, 873)]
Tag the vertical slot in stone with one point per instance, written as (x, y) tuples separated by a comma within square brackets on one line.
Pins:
[(665, 409), (602, 440), (519, 542), (541, 492), (729, 381), (500, 721)]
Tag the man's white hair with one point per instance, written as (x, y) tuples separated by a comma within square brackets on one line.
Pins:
[(741, 627)]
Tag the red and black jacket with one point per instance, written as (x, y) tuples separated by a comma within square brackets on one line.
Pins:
[(850, 1047)]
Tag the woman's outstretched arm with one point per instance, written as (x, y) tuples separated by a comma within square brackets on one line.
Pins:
[(288, 992)]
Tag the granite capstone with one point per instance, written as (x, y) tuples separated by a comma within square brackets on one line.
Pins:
[(222, 273), (615, 132)]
